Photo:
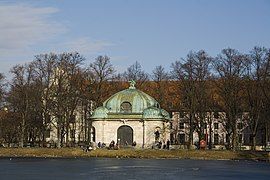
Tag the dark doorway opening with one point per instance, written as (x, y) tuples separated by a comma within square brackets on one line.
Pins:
[(125, 135)]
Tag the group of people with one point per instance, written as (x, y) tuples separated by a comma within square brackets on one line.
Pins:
[(89, 147), (93, 146), (115, 146), (101, 145)]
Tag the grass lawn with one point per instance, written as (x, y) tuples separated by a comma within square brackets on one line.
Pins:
[(134, 153)]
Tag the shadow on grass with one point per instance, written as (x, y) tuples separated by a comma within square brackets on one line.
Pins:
[(254, 155)]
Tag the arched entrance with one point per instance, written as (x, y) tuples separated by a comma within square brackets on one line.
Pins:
[(125, 135)]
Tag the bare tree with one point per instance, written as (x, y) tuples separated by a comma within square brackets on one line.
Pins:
[(135, 72), (100, 72), (253, 90), (187, 86), (20, 95), (9, 123), (2, 113), (66, 93), (2, 84), (229, 67), (160, 77), (45, 65), (202, 93), (265, 86), (192, 76)]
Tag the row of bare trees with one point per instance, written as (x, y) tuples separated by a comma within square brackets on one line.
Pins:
[(49, 91), (232, 82)]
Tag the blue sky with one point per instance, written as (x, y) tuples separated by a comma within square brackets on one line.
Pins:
[(152, 32)]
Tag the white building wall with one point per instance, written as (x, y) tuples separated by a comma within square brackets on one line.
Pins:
[(106, 131)]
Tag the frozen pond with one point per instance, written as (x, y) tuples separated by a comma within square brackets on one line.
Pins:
[(106, 168)]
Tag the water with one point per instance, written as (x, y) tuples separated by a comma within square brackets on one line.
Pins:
[(106, 168)]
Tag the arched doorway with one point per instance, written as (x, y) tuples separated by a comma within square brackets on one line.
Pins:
[(125, 135)]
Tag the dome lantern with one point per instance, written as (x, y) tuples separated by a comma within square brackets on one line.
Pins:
[(132, 84)]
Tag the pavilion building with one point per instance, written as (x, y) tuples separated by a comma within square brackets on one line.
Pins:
[(131, 116)]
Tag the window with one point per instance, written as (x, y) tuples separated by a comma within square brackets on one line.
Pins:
[(47, 118), (245, 116), (216, 115), (72, 119), (215, 125), (181, 138), (216, 140), (228, 138), (126, 107), (250, 138), (93, 132), (204, 125), (240, 138), (182, 115), (262, 138), (47, 133), (172, 138), (181, 125), (239, 125), (157, 135), (72, 133)]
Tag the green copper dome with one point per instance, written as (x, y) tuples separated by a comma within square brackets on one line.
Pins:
[(101, 112), (131, 103), (137, 100)]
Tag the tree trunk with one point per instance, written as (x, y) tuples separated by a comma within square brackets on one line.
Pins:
[(253, 142), (210, 136), (190, 142), (22, 131), (234, 139), (67, 135), (58, 145), (266, 134), (43, 137)]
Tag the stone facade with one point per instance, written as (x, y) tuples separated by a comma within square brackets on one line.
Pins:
[(214, 131), (143, 131), (131, 116)]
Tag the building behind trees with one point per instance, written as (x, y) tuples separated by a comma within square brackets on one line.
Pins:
[(224, 100)]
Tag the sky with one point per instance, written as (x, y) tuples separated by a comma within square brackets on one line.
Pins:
[(152, 32)]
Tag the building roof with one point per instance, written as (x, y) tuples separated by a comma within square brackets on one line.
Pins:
[(130, 103)]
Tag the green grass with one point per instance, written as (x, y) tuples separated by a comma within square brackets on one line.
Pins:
[(134, 153)]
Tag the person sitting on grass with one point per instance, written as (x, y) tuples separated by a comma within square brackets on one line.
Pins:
[(88, 148), (159, 144), (111, 146), (134, 144)]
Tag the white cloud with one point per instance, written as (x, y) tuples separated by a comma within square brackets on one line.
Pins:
[(23, 26), (26, 30), (85, 45)]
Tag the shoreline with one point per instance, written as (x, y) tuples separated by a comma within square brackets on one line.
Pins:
[(134, 153)]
